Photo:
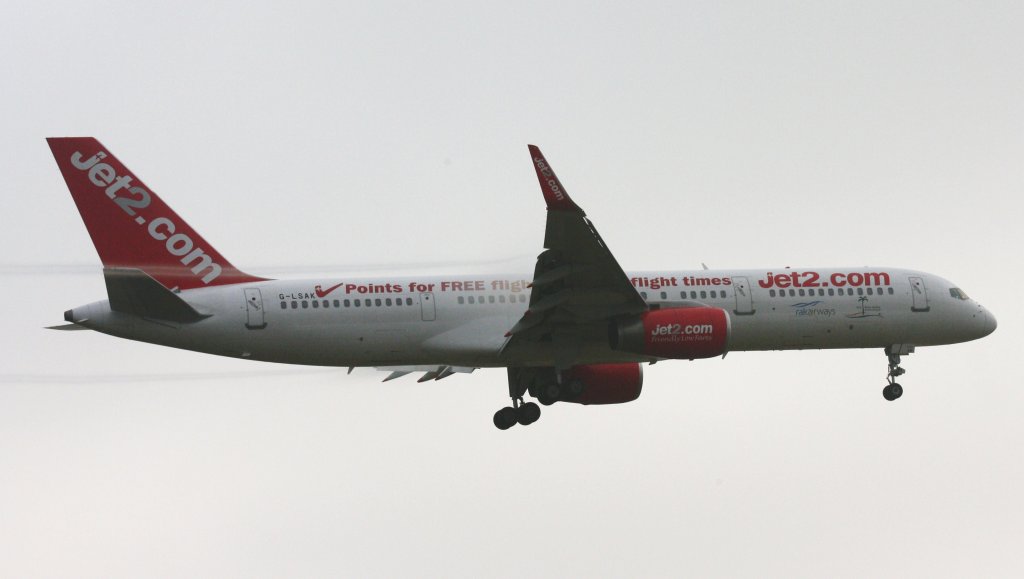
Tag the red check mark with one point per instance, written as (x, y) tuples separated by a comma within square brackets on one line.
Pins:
[(321, 293)]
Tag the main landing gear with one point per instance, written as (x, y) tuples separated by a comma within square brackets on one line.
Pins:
[(546, 384), (525, 413), (550, 393), (893, 390)]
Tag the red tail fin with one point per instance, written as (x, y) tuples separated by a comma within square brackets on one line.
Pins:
[(131, 227)]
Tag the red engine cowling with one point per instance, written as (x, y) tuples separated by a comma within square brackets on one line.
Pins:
[(677, 333), (607, 383)]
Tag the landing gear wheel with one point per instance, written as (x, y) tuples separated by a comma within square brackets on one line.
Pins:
[(543, 399), (506, 418), (552, 392), (527, 413), (892, 391), (573, 389)]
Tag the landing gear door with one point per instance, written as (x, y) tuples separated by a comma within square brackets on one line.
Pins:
[(427, 306), (744, 299), (254, 319), (919, 293)]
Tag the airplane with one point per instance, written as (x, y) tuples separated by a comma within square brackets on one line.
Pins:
[(576, 330)]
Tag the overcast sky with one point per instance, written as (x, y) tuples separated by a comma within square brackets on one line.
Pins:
[(354, 137)]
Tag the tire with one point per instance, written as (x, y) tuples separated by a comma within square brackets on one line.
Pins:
[(527, 413), (552, 391), (505, 418), (897, 390), (574, 389)]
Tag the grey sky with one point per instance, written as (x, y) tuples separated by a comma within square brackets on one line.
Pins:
[(351, 136)]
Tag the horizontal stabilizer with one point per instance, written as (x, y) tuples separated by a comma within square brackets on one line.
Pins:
[(67, 327), (132, 291)]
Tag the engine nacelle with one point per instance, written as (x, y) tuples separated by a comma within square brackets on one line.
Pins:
[(607, 383), (676, 333)]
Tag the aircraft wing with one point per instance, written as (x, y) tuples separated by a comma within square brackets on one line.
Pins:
[(577, 283)]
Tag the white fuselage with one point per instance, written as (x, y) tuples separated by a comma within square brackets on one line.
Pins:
[(463, 320)]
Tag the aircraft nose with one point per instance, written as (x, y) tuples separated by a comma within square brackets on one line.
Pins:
[(990, 323)]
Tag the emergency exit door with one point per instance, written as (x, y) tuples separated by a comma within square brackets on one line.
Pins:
[(744, 299), (919, 295), (427, 307), (254, 319)]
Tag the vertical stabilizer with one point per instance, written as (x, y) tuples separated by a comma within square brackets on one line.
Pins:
[(131, 226)]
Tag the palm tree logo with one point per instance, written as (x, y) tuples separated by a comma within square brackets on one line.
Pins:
[(863, 313)]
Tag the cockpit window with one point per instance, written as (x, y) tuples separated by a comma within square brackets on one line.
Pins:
[(958, 293)]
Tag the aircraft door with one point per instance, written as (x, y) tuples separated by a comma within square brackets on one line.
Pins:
[(744, 299), (254, 319), (919, 293), (427, 306)]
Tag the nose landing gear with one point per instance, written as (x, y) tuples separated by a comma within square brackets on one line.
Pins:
[(893, 390)]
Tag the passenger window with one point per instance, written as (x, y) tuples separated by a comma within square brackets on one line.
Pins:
[(714, 294), (284, 305), (792, 293), (871, 291), (295, 305), (305, 304), (801, 293), (316, 304), (472, 300), (327, 303), (643, 295), (831, 292), (377, 302), (890, 291), (490, 299), (860, 291), (664, 295), (522, 298), (501, 299), (337, 304), (693, 295), (347, 303), (408, 301), (821, 292), (462, 300), (387, 302), (358, 303), (703, 294)]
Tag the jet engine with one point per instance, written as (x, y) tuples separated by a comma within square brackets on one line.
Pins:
[(675, 333), (606, 383)]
